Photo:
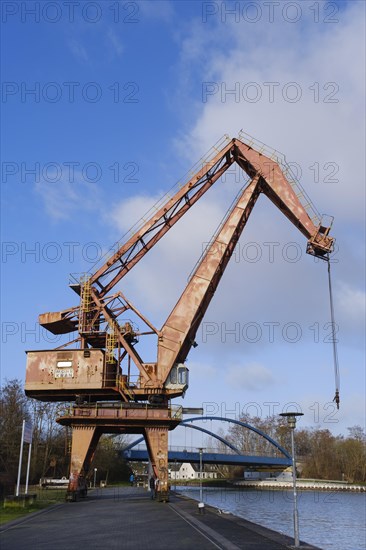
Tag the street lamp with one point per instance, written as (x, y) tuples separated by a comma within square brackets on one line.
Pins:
[(291, 422), (201, 504), (95, 476)]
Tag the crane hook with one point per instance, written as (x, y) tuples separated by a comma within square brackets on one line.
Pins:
[(336, 398)]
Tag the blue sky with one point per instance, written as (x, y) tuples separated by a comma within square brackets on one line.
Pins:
[(126, 98)]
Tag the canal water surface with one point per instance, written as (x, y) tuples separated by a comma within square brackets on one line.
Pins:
[(330, 520)]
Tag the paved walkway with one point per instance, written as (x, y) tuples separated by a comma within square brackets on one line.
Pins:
[(127, 518)]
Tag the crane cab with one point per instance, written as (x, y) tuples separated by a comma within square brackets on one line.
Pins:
[(61, 375), (178, 378)]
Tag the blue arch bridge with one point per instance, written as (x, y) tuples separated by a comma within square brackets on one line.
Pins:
[(277, 459)]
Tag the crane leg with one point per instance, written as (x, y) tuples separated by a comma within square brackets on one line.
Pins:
[(84, 443), (157, 445)]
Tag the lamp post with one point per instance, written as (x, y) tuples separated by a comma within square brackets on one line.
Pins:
[(291, 422), (175, 475), (95, 476), (201, 504)]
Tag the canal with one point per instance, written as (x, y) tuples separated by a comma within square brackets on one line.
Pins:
[(330, 520)]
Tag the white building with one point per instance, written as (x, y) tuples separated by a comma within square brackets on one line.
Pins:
[(188, 471)]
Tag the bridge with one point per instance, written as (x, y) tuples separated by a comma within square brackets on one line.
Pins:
[(278, 458)]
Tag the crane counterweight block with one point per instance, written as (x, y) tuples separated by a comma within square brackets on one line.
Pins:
[(59, 322)]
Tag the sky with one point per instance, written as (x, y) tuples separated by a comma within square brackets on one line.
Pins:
[(106, 105)]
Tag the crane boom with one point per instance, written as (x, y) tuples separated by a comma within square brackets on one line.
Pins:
[(179, 331), (169, 213)]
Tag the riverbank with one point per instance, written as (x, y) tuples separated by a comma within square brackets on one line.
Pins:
[(302, 485), (239, 532), (331, 520)]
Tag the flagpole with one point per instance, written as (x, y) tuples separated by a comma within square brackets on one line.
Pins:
[(20, 460), (28, 467)]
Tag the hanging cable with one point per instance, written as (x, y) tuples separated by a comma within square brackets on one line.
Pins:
[(334, 341)]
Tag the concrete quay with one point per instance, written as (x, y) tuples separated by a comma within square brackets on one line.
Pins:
[(302, 485), (126, 518)]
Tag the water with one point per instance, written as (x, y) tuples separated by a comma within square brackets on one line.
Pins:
[(330, 520)]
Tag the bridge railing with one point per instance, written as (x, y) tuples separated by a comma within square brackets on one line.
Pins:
[(273, 453)]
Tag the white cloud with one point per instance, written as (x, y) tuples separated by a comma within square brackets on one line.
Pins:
[(78, 50), (131, 211), (253, 377), (312, 130), (115, 42), (351, 303), (203, 371), (63, 198)]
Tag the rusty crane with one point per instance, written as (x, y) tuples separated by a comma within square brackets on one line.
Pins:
[(95, 370)]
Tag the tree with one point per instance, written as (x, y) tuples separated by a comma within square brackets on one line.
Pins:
[(352, 455), (108, 459), (49, 444), (215, 445), (50, 441), (251, 443), (357, 433), (13, 410)]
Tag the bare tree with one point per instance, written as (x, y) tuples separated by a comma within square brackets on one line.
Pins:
[(13, 410)]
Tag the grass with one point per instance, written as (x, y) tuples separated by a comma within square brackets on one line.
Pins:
[(45, 498)]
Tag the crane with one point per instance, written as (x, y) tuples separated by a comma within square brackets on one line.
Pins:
[(97, 366)]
